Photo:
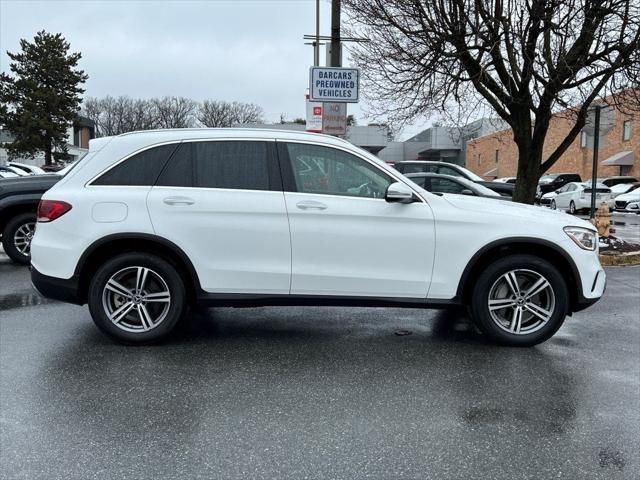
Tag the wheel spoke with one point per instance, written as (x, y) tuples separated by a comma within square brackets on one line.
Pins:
[(512, 281), (145, 318), (157, 297), (501, 303), (141, 278), (116, 287), (121, 312), (537, 287), (538, 311), (516, 320)]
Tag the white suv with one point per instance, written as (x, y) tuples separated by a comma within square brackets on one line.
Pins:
[(149, 223)]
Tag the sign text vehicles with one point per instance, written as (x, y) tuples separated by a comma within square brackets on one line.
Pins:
[(333, 84)]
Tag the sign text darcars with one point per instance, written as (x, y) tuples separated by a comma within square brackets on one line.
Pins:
[(333, 84)]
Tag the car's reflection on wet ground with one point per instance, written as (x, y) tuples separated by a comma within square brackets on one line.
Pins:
[(318, 393)]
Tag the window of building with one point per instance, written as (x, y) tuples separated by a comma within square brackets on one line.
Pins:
[(626, 130), (142, 169), (241, 165), (583, 139), (497, 155), (325, 170)]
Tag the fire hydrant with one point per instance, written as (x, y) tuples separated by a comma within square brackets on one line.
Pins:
[(602, 220)]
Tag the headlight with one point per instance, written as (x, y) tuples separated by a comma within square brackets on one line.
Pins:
[(584, 238)]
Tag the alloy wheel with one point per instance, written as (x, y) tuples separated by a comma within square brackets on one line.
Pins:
[(521, 301), (136, 299), (572, 208), (553, 204), (23, 236)]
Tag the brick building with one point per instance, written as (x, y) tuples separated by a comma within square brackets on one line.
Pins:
[(496, 155)]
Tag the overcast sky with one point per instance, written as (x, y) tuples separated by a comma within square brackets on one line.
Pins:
[(245, 50)]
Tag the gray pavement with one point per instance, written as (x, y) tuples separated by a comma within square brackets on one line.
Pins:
[(318, 393)]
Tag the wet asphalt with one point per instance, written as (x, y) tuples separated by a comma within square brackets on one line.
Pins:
[(318, 393)]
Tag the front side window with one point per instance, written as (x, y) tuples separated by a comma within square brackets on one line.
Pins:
[(242, 165), (442, 170), (329, 171), (141, 169)]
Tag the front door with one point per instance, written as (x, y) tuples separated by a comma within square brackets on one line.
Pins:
[(346, 239)]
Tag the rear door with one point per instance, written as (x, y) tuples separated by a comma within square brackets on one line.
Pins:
[(222, 203), (346, 239)]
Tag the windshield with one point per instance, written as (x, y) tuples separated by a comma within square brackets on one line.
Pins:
[(548, 178)]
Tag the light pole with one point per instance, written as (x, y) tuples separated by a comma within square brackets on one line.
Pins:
[(594, 168)]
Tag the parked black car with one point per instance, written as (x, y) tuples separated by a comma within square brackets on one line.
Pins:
[(435, 183), (19, 198), (445, 168), (554, 181), (611, 181)]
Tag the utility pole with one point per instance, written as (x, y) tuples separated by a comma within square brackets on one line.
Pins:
[(335, 34), (594, 168), (316, 43)]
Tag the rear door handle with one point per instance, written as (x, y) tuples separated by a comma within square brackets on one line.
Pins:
[(179, 201), (311, 205)]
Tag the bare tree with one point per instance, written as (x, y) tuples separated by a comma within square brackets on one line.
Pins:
[(526, 59), (216, 113), (116, 115), (175, 112)]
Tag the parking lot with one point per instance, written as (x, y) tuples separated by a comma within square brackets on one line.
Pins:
[(318, 393)]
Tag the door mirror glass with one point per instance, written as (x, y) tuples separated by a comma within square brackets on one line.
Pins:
[(400, 193), (466, 191)]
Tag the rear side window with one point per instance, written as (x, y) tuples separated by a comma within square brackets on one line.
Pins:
[(242, 165), (141, 169)]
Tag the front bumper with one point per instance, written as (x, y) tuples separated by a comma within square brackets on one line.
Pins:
[(65, 290)]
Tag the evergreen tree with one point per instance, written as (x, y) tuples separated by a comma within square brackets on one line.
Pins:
[(42, 97)]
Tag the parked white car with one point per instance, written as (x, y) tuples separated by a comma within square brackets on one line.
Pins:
[(27, 169), (576, 196), (626, 201), (623, 188), (149, 223)]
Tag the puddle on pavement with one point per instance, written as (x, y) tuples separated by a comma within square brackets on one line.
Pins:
[(25, 298)]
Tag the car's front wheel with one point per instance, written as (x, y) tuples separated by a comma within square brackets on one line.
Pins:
[(553, 205), (137, 298), (17, 235), (572, 208), (520, 300)]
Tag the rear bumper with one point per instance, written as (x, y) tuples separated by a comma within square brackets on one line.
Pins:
[(65, 290)]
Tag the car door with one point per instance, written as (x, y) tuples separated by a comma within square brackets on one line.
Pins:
[(564, 196), (346, 239), (222, 203)]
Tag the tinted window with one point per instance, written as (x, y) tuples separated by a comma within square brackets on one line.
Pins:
[(415, 168), (444, 185), (240, 165), (331, 171), (449, 171), (142, 169)]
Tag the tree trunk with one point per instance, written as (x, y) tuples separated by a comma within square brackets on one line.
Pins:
[(48, 160), (529, 160)]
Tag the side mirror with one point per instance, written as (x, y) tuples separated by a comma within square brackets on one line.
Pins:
[(400, 193), (466, 191)]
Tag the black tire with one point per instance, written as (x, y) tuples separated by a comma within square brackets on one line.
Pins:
[(160, 267), (552, 205), (9, 235), (572, 208), (481, 294)]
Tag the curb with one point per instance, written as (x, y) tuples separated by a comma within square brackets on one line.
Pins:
[(629, 259)]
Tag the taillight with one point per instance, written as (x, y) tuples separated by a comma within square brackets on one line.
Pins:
[(49, 210)]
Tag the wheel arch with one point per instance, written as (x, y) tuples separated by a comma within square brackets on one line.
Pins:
[(521, 245), (11, 211), (108, 246)]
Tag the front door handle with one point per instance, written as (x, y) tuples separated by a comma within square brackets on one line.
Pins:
[(311, 205), (179, 201)]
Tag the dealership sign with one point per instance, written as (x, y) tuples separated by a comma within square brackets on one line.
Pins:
[(314, 116), (332, 84)]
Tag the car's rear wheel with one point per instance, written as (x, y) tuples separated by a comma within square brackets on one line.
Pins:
[(16, 237), (520, 300), (572, 208), (553, 205), (137, 298)]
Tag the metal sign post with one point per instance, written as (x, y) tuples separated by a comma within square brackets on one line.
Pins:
[(594, 171)]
